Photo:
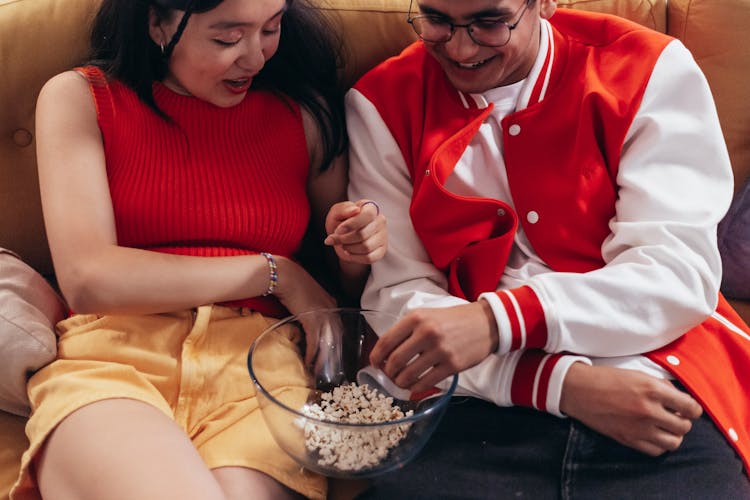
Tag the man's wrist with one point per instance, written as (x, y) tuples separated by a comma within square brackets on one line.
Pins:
[(576, 372), (492, 324)]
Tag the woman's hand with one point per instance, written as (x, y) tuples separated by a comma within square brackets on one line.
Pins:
[(631, 407), (297, 290), (356, 231)]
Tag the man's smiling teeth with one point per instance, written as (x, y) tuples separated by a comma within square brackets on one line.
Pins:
[(472, 65)]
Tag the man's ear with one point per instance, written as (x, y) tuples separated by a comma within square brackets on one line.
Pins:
[(547, 8)]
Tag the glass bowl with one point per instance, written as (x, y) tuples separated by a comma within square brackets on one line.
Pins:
[(306, 368)]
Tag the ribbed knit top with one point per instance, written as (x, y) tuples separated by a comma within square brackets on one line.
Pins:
[(213, 182)]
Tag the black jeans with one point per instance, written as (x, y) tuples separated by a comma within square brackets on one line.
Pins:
[(482, 451)]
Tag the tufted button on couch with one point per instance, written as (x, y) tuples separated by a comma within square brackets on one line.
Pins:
[(39, 38)]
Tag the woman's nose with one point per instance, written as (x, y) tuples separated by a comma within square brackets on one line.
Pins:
[(253, 57)]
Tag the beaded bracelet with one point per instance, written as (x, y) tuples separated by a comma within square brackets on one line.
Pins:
[(273, 278)]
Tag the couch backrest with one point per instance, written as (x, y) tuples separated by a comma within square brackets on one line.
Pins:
[(716, 32), (39, 38)]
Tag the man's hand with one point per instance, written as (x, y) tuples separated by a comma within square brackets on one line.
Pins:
[(428, 345), (631, 407)]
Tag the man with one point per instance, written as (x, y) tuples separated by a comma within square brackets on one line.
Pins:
[(553, 186)]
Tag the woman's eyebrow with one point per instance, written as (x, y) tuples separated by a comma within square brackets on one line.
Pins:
[(224, 25)]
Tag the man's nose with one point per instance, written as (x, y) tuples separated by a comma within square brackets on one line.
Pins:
[(461, 47)]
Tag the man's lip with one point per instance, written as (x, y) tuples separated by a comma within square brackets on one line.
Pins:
[(473, 65)]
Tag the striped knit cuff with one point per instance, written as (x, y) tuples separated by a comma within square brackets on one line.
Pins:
[(538, 380), (520, 319)]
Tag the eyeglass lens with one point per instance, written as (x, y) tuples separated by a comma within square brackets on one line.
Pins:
[(491, 32), (433, 29)]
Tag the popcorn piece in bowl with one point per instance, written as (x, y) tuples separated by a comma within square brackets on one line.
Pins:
[(353, 449)]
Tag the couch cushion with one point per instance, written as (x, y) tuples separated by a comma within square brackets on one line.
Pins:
[(29, 310), (38, 39), (650, 13), (372, 30), (716, 34)]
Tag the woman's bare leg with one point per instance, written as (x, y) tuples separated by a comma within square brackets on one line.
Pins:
[(242, 483), (122, 449)]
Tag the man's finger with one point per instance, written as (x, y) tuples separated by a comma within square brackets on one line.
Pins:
[(675, 424), (647, 447), (681, 403), (431, 378), (390, 340), (411, 350), (667, 441)]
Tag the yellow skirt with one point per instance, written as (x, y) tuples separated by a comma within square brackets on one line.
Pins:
[(191, 365)]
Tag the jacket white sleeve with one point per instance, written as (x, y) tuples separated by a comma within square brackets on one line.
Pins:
[(405, 279), (663, 268)]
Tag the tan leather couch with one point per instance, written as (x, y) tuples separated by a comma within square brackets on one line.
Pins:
[(39, 38)]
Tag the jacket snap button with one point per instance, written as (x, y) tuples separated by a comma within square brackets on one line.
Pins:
[(733, 434), (532, 217), (673, 360), (514, 129), (500, 212)]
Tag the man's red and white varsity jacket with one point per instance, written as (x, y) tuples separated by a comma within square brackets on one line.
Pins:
[(618, 174)]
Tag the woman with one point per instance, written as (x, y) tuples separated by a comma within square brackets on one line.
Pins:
[(179, 171)]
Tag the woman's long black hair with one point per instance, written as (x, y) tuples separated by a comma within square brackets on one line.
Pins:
[(304, 68)]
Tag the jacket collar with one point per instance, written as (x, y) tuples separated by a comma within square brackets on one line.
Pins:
[(537, 81)]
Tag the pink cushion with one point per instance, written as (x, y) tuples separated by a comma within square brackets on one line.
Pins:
[(29, 310)]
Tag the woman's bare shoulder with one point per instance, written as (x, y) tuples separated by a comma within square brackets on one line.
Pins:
[(66, 94)]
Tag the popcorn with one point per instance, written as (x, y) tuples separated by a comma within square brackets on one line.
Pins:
[(353, 449)]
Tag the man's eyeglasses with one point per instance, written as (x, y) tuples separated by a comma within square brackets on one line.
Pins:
[(487, 32)]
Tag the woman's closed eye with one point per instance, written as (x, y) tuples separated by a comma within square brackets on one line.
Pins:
[(226, 43), (272, 29), (228, 38)]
